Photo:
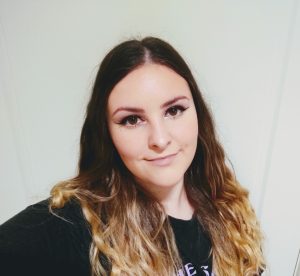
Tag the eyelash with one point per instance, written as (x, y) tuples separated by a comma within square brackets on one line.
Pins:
[(177, 108)]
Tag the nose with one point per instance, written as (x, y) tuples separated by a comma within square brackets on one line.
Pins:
[(159, 137)]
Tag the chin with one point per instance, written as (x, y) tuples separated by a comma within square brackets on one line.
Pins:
[(162, 182)]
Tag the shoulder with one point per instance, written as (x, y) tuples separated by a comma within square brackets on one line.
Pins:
[(36, 234), (36, 220)]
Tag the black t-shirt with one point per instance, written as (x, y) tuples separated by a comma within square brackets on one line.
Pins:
[(194, 247), (35, 242)]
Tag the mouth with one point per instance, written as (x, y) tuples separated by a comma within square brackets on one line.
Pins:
[(162, 161)]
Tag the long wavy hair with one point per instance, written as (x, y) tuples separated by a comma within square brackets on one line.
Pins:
[(131, 234)]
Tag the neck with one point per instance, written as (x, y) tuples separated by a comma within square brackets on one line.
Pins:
[(178, 206), (175, 201)]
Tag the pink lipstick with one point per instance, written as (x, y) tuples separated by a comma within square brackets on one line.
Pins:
[(163, 161)]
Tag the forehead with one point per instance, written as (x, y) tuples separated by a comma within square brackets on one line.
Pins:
[(149, 83)]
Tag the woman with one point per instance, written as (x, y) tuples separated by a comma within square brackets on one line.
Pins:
[(153, 195)]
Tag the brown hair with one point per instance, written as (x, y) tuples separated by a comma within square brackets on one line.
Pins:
[(129, 227)]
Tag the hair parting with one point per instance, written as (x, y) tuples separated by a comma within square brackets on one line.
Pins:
[(131, 234)]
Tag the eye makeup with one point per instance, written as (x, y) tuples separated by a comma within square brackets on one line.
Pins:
[(133, 120), (131, 117), (130, 121), (176, 110)]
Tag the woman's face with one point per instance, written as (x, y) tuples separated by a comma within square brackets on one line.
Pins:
[(153, 124)]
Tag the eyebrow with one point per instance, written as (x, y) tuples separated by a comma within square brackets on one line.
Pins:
[(140, 110), (168, 103)]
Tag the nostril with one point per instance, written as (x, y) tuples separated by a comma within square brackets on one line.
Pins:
[(159, 144), (159, 137)]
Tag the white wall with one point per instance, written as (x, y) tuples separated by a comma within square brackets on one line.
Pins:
[(245, 56)]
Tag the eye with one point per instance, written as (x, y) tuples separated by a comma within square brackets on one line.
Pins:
[(131, 121), (175, 110)]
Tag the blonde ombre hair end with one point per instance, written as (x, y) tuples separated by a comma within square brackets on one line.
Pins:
[(131, 234)]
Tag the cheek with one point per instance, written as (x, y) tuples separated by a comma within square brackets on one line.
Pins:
[(128, 146), (194, 130), (187, 130)]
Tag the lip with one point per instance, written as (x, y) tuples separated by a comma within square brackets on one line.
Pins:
[(163, 161)]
